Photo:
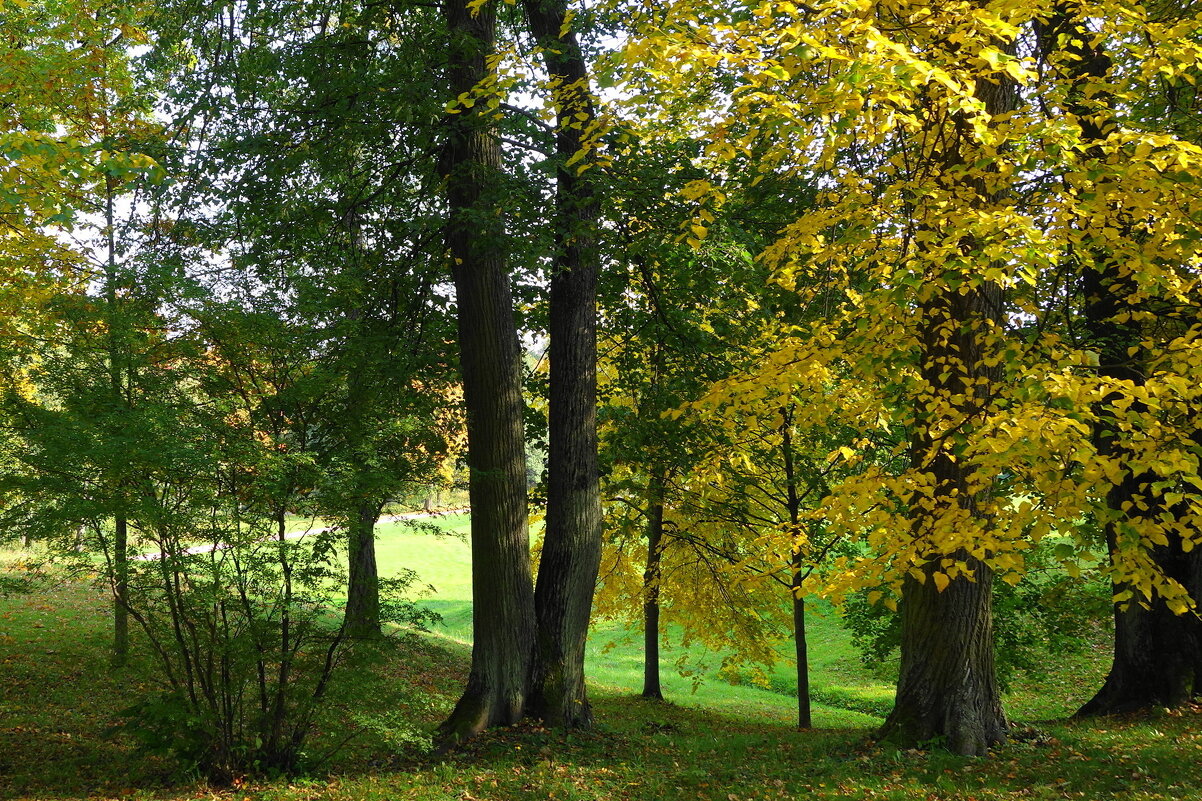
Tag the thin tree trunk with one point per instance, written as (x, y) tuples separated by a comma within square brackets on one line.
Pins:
[(503, 615), (571, 555), (651, 585), (116, 386), (796, 563), (947, 686), (800, 648), (363, 580), (362, 614), (120, 591)]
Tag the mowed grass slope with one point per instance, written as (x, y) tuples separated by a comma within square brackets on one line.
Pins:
[(59, 701), (615, 659), (844, 692)]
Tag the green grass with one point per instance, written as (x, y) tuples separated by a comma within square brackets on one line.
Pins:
[(844, 692), (719, 742), (615, 653)]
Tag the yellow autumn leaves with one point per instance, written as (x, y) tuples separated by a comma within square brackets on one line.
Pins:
[(921, 193)]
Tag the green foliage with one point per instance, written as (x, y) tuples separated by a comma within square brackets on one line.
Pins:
[(1038, 623), (245, 638)]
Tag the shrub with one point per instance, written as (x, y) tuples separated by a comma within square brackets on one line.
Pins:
[(247, 640)]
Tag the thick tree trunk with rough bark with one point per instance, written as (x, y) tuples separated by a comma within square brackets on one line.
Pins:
[(947, 687), (652, 688), (1156, 652), (571, 554), (363, 579), (503, 615)]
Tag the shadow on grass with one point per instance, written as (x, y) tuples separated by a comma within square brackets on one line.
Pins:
[(58, 697)]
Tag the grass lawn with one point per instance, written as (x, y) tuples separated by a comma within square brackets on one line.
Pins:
[(59, 701)]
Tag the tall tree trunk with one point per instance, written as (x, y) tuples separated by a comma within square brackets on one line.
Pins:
[(947, 686), (651, 584), (571, 556), (503, 615), (363, 580), (1157, 654), (362, 614)]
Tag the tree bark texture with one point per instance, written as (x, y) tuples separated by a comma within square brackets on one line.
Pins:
[(363, 579), (947, 687), (503, 613), (1157, 654), (652, 688), (571, 554)]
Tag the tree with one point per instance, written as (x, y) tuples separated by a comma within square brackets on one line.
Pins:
[(706, 488), (70, 116), (918, 150), (1157, 651), (932, 255), (503, 625), (947, 685), (571, 553), (321, 197)]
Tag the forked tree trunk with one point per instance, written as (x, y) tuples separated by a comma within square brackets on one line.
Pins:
[(363, 579), (503, 612), (571, 555), (947, 687), (652, 574)]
